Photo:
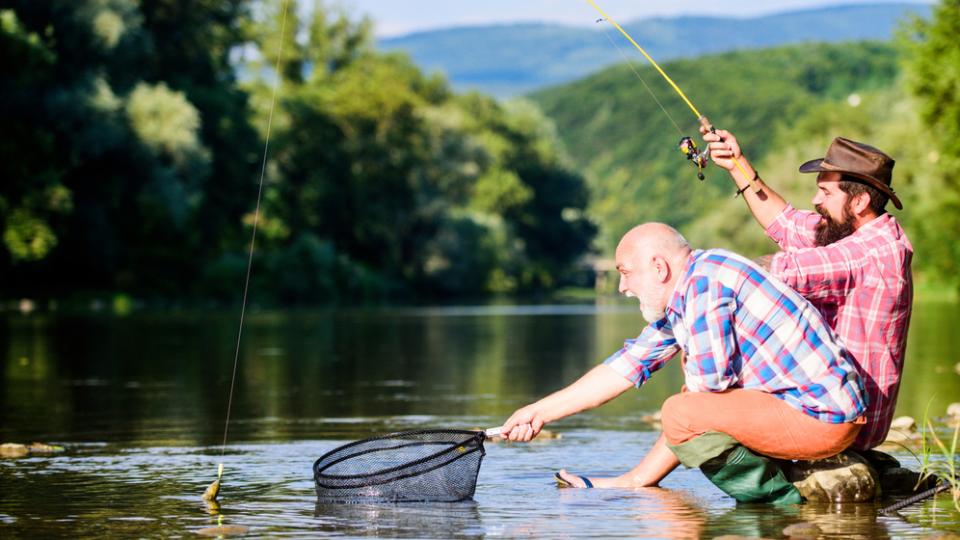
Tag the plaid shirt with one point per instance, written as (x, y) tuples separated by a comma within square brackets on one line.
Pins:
[(863, 286), (741, 329)]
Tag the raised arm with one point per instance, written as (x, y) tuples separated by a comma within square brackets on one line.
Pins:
[(766, 204)]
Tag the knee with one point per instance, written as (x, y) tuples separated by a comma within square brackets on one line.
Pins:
[(675, 416)]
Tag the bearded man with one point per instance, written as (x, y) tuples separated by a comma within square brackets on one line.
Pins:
[(850, 258)]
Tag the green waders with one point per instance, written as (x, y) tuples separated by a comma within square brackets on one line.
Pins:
[(738, 472)]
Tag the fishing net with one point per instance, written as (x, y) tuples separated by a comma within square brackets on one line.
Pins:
[(436, 465)]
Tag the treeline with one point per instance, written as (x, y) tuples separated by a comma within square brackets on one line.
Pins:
[(785, 105), (130, 151)]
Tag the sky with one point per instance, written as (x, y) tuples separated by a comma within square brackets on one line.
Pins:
[(398, 17)]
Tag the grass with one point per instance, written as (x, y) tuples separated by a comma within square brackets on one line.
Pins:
[(945, 469)]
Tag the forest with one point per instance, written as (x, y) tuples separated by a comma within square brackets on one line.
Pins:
[(134, 132)]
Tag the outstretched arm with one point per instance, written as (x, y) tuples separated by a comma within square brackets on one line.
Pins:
[(766, 204), (596, 387)]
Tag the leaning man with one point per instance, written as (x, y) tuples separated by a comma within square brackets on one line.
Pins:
[(764, 374)]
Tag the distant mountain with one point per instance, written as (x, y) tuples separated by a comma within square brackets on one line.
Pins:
[(515, 59)]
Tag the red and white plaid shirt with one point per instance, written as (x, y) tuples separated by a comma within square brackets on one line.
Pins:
[(863, 286)]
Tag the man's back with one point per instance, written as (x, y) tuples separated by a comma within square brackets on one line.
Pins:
[(863, 285)]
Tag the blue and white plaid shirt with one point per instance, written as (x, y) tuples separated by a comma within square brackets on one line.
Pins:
[(742, 328)]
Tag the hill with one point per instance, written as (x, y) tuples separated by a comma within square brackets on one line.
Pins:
[(508, 60), (627, 146)]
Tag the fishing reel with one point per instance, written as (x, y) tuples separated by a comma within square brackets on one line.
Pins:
[(694, 155)]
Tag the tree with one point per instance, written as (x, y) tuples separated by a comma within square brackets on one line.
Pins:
[(933, 56)]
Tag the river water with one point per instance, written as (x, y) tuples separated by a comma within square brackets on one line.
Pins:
[(140, 404)]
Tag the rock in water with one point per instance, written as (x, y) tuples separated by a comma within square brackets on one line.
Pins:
[(13, 450), (224, 530), (802, 530), (210, 494), (953, 410), (845, 477)]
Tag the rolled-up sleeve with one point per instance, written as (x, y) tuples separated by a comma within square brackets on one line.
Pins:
[(794, 229), (641, 357), (819, 273)]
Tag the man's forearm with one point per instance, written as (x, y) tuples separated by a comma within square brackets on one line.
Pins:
[(766, 204), (596, 387)]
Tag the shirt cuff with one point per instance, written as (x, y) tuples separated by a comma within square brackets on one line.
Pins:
[(626, 367)]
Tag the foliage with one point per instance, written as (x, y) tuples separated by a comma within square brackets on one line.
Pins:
[(933, 55), (628, 147), (947, 467), (133, 154)]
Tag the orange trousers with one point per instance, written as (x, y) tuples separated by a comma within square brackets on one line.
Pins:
[(758, 420)]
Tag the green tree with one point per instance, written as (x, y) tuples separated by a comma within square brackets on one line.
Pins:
[(933, 54)]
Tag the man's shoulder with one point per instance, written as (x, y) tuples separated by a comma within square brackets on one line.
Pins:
[(882, 235), (724, 266)]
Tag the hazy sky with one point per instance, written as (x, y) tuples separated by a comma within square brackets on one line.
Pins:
[(394, 17)]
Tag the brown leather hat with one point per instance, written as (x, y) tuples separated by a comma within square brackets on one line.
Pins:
[(860, 161)]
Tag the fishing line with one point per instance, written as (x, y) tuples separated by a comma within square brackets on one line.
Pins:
[(701, 118), (637, 73), (253, 239)]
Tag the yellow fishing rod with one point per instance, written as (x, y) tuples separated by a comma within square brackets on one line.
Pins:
[(686, 144)]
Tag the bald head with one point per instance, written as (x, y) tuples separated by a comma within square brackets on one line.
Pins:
[(649, 240), (650, 258)]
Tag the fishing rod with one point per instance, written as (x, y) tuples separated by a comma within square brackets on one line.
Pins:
[(687, 145)]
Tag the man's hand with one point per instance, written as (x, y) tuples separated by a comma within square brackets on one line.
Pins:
[(523, 425), (722, 153)]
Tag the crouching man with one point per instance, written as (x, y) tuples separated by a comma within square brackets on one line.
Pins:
[(765, 377)]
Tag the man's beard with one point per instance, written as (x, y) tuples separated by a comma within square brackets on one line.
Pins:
[(648, 299), (829, 231)]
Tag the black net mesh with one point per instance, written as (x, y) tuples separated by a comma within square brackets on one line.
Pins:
[(437, 465)]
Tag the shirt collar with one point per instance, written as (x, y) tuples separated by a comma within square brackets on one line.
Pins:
[(676, 299)]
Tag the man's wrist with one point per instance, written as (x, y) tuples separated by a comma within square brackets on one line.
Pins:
[(756, 177)]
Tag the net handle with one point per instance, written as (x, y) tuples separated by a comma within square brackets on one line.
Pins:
[(492, 432)]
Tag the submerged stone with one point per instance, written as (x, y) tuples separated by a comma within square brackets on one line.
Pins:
[(802, 530), (224, 530), (13, 450), (845, 477)]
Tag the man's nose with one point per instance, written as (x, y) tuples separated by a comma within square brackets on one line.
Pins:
[(623, 285)]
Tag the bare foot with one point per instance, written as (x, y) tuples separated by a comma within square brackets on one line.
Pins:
[(616, 482)]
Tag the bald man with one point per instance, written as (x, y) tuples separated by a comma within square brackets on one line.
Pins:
[(764, 374)]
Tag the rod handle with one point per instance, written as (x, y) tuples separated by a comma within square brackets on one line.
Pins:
[(705, 122)]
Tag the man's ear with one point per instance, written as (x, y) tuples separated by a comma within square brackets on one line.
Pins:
[(860, 203), (662, 267)]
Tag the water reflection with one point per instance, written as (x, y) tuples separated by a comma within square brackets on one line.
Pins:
[(420, 520), (139, 402)]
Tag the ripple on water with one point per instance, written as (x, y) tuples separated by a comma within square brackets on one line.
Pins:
[(117, 492)]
